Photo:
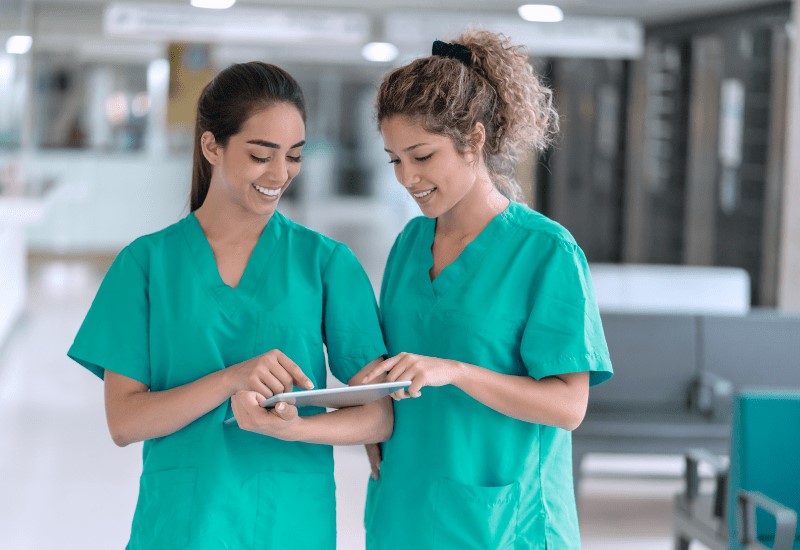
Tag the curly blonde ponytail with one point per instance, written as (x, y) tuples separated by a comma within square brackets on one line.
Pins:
[(499, 89)]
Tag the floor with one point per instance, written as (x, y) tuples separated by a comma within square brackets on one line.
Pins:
[(66, 485)]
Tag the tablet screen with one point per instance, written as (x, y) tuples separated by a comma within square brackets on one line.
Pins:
[(337, 398)]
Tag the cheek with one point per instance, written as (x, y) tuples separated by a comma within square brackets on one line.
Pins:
[(293, 170)]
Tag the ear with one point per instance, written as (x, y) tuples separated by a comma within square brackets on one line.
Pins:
[(476, 140), (210, 148)]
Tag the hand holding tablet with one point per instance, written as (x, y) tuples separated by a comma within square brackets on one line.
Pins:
[(334, 398)]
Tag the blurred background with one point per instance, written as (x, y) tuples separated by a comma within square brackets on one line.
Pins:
[(676, 170)]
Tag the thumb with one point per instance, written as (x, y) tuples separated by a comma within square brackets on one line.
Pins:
[(286, 411)]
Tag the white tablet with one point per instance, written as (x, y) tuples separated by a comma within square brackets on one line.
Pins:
[(336, 398)]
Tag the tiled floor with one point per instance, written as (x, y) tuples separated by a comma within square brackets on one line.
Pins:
[(63, 483)]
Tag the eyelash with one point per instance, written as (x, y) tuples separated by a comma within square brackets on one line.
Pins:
[(418, 159), (260, 160)]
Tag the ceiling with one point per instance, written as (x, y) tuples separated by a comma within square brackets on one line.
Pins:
[(601, 28), (647, 11)]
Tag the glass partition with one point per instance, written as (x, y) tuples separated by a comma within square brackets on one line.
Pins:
[(89, 105), (12, 91)]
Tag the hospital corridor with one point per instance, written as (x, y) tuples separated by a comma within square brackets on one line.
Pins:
[(579, 221)]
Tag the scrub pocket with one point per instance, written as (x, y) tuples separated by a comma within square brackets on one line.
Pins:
[(164, 511), (472, 517), (296, 510)]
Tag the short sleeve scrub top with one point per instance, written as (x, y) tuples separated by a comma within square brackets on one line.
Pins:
[(456, 474), (163, 316)]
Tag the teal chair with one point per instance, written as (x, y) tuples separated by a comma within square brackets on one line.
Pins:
[(756, 495)]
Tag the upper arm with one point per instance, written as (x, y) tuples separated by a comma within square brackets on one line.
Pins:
[(115, 332), (563, 333), (117, 387), (577, 394), (577, 382), (351, 328)]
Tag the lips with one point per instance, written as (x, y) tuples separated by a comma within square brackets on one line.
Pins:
[(268, 191), (423, 194)]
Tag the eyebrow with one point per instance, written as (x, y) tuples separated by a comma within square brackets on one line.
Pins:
[(407, 149), (271, 145)]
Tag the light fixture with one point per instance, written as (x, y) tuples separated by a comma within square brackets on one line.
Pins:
[(541, 13), (116, 109), (19, 44), (213, 4), (379, 52)]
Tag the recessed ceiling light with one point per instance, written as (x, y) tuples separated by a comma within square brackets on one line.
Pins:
[(19, 44), (213, 4), (379, 52), (541, 13)]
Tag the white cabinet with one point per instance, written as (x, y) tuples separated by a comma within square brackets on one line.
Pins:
[(16, 214)]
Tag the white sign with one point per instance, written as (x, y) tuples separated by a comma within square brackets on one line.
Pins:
[(248, 25)]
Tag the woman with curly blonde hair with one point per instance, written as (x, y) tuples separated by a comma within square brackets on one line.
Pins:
[(487, 307)]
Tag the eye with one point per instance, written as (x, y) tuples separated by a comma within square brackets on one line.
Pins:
[(298, 158), (394, 161), (259, 159), (423, 159)]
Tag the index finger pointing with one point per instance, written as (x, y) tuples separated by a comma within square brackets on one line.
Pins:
[(382, 368), (296, 372)]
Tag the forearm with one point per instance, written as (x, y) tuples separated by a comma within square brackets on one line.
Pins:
[(140, 415), (554, 401), (370, 423)]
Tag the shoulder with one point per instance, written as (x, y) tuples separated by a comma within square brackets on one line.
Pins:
[(143, 248), (412, 230), (539, 230), (305, 235), (305, 238)]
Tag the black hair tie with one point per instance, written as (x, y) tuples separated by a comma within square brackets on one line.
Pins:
[(453, 51)]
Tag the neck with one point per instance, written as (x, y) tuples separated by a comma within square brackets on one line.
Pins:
[(473, 212), (222, 219)]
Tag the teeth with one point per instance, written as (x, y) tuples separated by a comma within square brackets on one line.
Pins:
[(268, 192), (423, 194)]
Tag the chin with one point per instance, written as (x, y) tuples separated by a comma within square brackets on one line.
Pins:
[(264, 209), (433, 210)]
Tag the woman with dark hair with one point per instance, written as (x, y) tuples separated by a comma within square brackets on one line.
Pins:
[(487, 307), (232, 304)]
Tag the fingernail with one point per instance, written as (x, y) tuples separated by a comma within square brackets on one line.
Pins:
[(310, 385), (279, 407)]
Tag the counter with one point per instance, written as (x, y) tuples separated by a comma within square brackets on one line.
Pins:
[(16, 214)]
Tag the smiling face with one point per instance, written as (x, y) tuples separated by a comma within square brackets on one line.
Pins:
[(428, 165), (257, 165)]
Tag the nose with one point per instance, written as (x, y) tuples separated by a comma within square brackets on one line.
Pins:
[(407, 176), (277, 170)]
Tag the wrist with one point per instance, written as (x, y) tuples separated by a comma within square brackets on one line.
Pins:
[(227, 380), (296, 430), (271, 424), (460, 371)]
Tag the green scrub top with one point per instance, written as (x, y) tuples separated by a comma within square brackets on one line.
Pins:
[(456, 474), (163, 316)]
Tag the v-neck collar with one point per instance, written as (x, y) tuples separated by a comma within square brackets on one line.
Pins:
[(466, 262), (253, 276)]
